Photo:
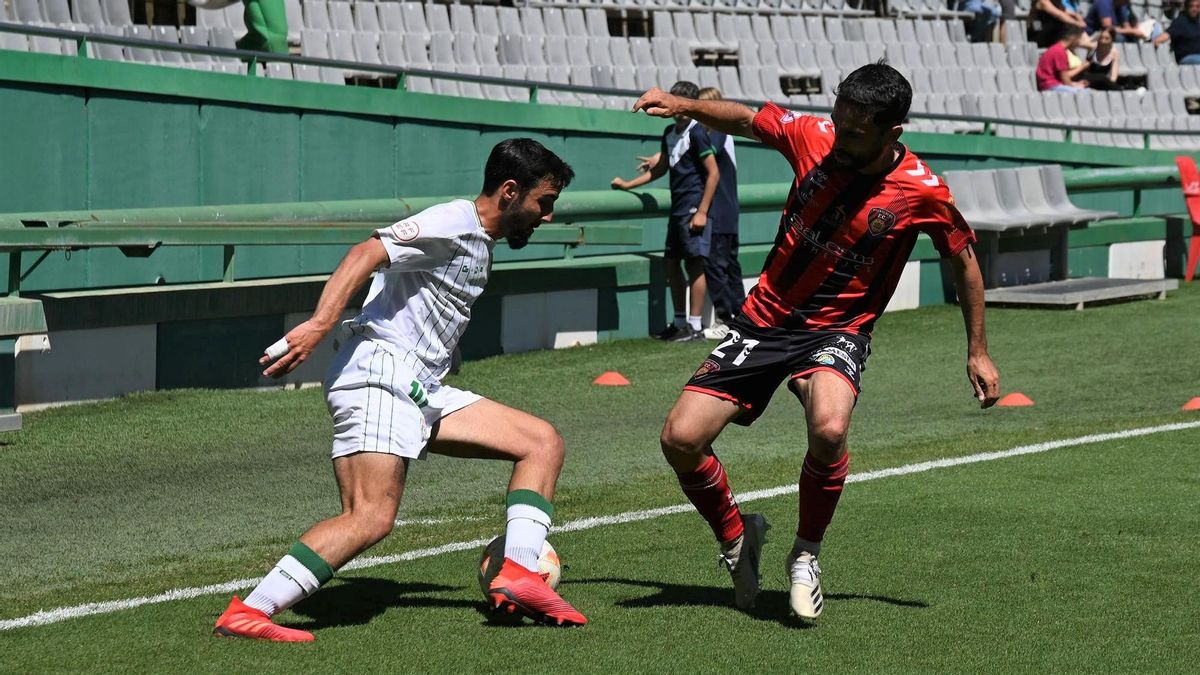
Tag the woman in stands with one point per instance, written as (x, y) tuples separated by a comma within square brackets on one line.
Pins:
[(1104, 63)]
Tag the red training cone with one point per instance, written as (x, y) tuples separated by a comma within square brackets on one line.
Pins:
[(1193, 404), (611, 378), (1015, 400)]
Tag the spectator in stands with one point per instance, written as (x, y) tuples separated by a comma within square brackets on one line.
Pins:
[(1118, 15), (986, 15), (722, 270), (687, 154), (1054, 71), (1051, 17), (1103, 62), (1184, 34), (266, 23)]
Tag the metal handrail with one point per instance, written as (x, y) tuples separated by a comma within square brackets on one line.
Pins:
[(253, 57)]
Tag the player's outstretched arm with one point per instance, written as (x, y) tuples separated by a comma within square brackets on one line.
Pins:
[(725, 116), (982, 373), (354, 270)]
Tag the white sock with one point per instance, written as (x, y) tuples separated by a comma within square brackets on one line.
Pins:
[(802, 545), (285, 585), (694, 322), (680, 321), (526, 532)]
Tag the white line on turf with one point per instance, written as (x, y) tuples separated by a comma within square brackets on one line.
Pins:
[(50, 616)]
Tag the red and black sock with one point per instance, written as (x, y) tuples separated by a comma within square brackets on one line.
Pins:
[(708, 489), (820, 488)]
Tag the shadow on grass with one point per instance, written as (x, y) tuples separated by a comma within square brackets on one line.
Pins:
[(356, 601), (771, 605)]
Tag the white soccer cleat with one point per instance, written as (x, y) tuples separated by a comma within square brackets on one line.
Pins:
[(743, 558), (805, 573)]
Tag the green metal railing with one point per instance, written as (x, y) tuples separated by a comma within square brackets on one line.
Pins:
[(988, 125)]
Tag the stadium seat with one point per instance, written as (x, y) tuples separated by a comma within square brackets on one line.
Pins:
[(531, 21), (414, 20), (974, 193), (341, 16), (279, 71), (170, 35), (314, 43), (113, 52), (316, 15), (509, 21), (28, 11), (208, 18), (391, 17), (462, 19), (366, 16), (438, 18), (1055, 188), (295, 21), (117, 12), (441, 50), (89, 12)]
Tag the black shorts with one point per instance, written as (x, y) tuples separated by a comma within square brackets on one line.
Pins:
[(748, 365)]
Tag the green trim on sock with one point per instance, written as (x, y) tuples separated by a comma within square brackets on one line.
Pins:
[(315, 564), (529, 498)]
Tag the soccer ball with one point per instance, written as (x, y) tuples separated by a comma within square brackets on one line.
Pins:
[(493, 558)]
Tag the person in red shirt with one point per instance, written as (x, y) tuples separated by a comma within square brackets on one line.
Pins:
[(1054, 70), (857, 204)]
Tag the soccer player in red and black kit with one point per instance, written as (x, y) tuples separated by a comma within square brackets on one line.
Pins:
[(857, 204)]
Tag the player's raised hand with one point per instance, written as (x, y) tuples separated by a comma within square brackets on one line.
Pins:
[(658, 103), (985, 379), (296, 347)]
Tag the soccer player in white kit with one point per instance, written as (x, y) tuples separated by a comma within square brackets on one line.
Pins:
[(388, 403)]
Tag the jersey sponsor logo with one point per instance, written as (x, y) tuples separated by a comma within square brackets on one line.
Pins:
[(406, 230), (922, 170), (709, 366), (811, 239), (824, 126), (880, 221)]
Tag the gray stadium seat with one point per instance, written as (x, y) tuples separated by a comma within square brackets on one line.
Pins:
[(117, 12), (1008, 186), (441, 49), (510, 21), (28, 11), (462, 19), (555, 25), (316, 15), (366, 49), (573, 20), (466, 50), (533, 48), (487, 21), (597, 53), (341, 16), (730, 83), (1056, 195), (279, 71), (437, 17), (414, 20), (415, 54), (531, 21), (974, 194), (235, 18), (597, 22), (170, 35), (366, 16), (211, 17), (314, 43), (137, 53), (391, 16), (556, 51)]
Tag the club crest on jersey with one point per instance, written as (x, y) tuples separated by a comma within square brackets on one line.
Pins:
[(709, 366), (880, 221), (406, 230)]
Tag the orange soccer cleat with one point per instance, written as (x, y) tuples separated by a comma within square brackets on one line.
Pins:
[(241, 620), (516, 589)]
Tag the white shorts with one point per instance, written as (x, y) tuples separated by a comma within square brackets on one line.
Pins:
[(379, 405)]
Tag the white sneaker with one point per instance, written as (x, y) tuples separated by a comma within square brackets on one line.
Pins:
[(717, 331), (805, 573), (742, 560)]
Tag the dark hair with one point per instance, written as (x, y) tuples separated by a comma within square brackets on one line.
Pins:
[(527, 162), (879, 89), (1070, 32), (685, 89)]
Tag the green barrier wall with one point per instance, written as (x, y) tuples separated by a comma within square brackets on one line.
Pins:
[(93, 134)]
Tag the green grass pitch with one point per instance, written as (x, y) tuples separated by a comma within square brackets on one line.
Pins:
[(1081, 558)]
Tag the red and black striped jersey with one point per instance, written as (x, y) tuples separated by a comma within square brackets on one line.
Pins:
[(844, 236)]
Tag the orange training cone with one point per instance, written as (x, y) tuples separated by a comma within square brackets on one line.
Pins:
[(1193, 404), (611, 378), (1015, 400)]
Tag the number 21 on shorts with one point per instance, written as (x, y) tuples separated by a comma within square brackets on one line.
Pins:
[(733, 339)]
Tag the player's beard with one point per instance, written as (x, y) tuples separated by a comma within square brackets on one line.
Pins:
[(514, 219)]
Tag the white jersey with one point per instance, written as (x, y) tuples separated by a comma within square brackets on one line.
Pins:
[(419, 305)]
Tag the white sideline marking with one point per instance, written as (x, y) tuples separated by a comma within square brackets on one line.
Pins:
[(401, 522), (50, 616)]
